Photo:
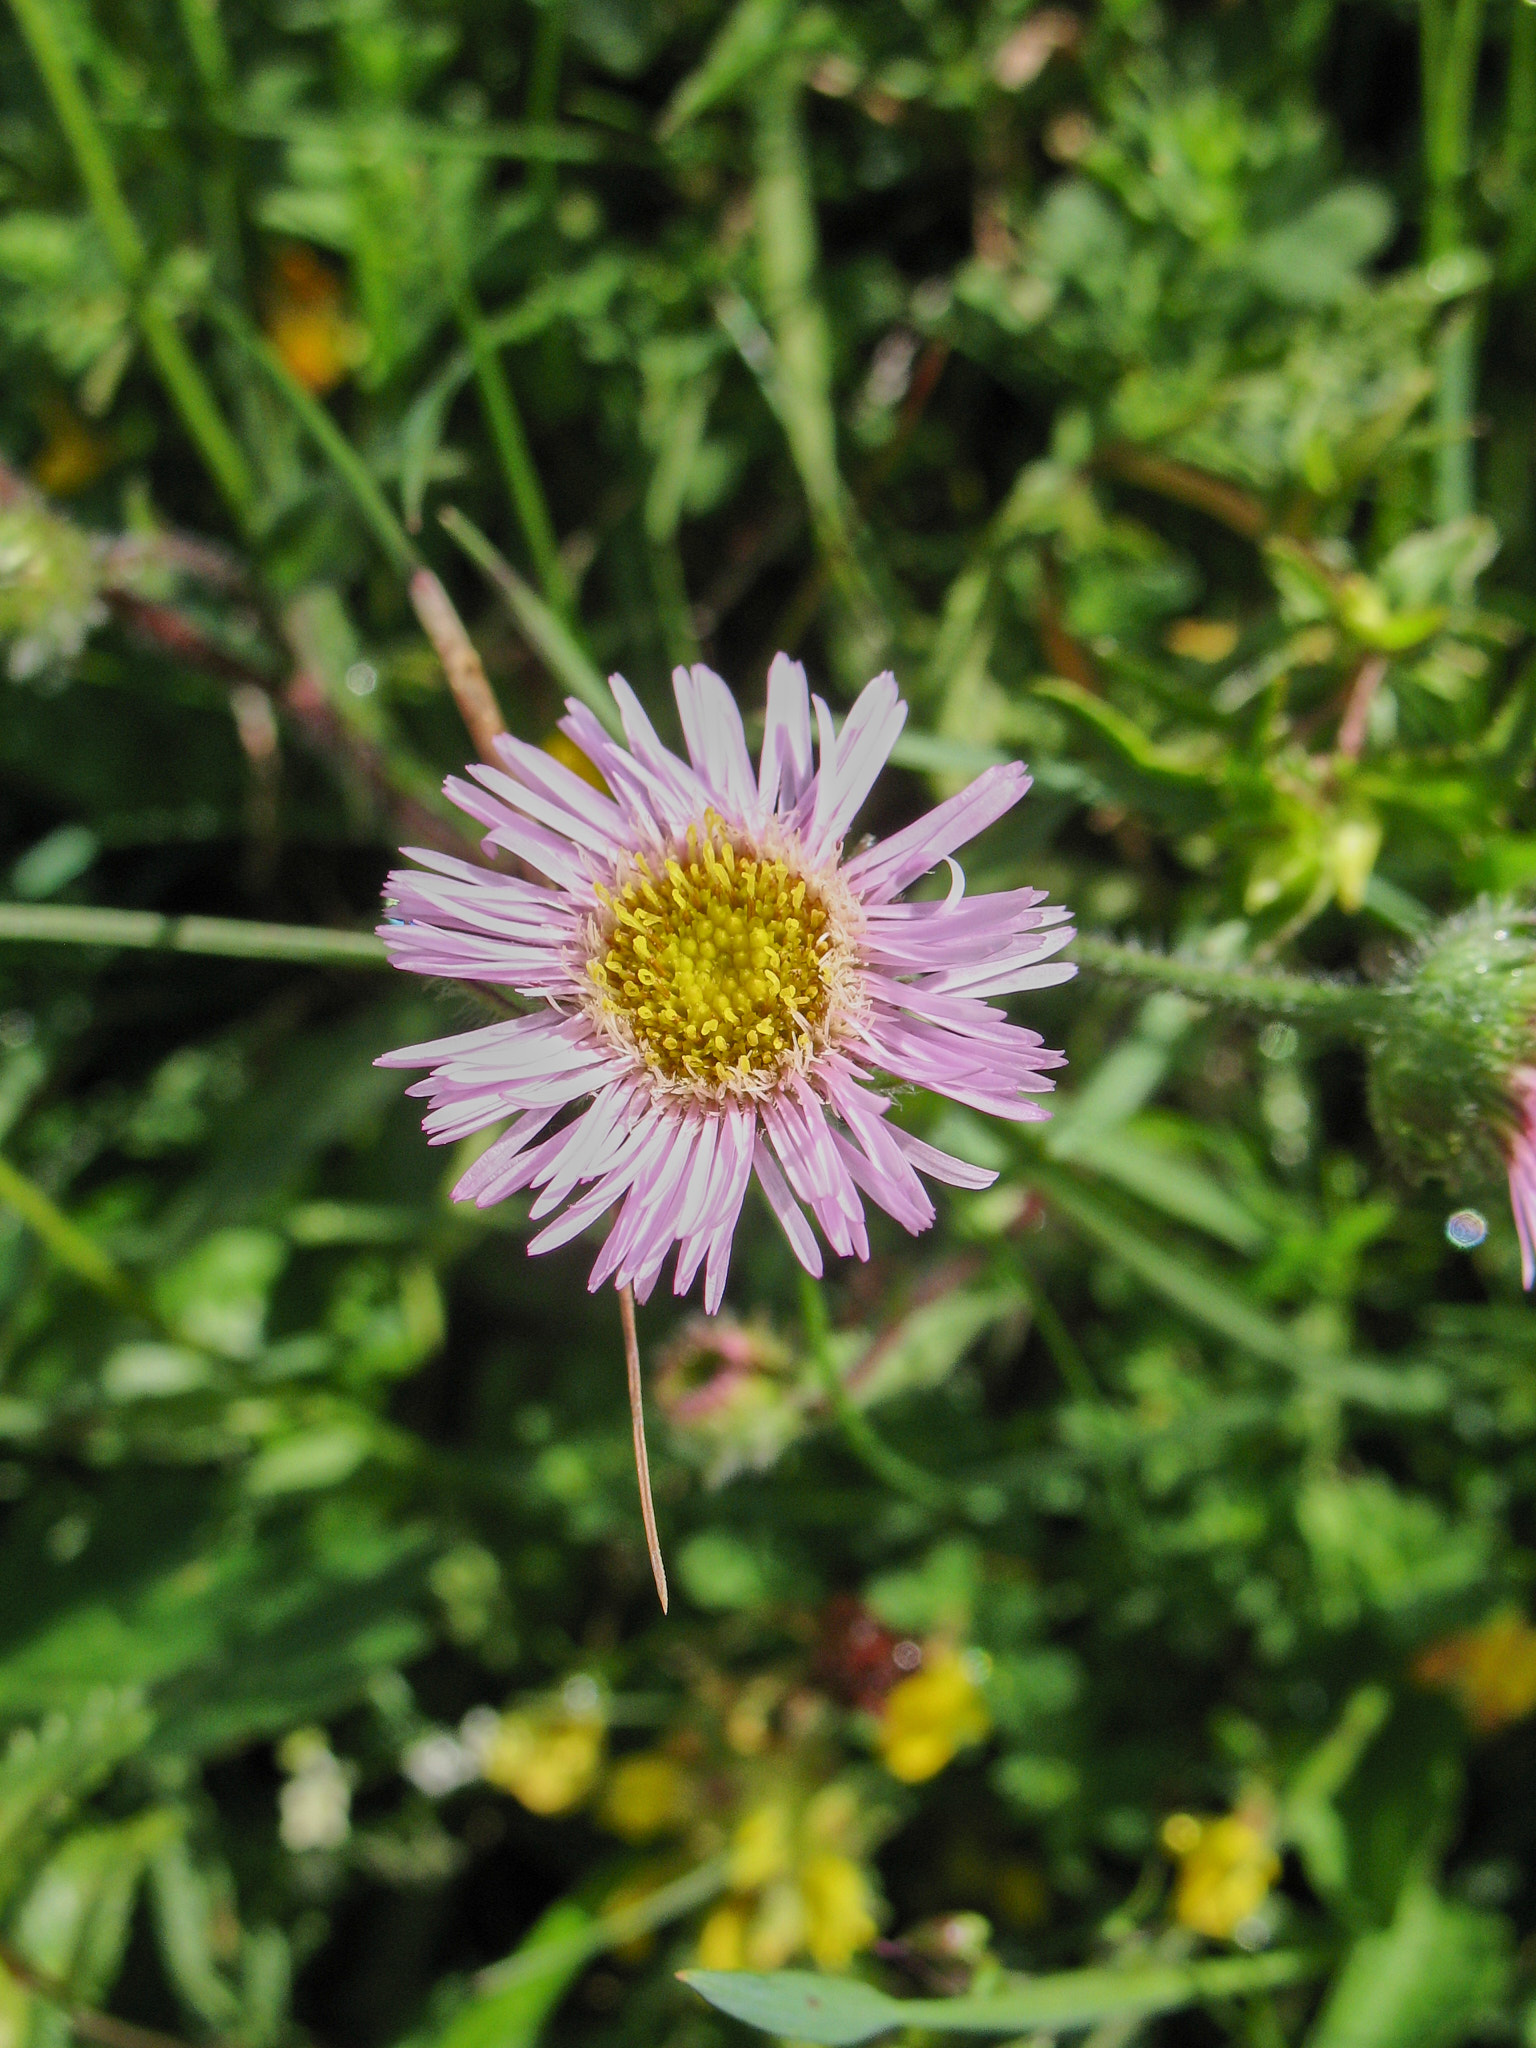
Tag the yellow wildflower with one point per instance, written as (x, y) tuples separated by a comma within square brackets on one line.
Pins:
[(838, 1906), (569, 755), (1490, 1669), (645, 1796), (777, 1927), (1226, 1869), (72, 456), (1208, 640), (931, 1715), (796, 1886), (307, 324), (723, 1937), (762, 1846), (547, 1761)]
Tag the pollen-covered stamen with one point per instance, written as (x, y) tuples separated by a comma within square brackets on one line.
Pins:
[(717, 958)]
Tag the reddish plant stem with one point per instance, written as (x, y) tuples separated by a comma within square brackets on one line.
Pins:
[(461, 662), (642, 1462)]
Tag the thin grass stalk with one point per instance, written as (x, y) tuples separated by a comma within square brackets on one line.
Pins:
[(519, 473), (1450, 44), (546, 632), (185, 385), (351, 471)]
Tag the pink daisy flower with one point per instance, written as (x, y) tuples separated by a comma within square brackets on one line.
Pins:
[(1522, 1172), (721, 995)]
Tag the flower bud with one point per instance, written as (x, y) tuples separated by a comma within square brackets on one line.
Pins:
[(729, 1392), (1453, 1062), (50, 588)]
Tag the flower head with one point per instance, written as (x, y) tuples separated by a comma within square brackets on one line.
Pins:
[(1491, 1669), (931, 1715), (547, 1757), (718, 988), (1226, 1869), (1453, 1069)]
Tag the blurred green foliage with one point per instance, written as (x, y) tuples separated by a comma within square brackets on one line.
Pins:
[(1135, 1570)]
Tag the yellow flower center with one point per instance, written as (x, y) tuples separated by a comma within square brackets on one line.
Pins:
[(718, 960)]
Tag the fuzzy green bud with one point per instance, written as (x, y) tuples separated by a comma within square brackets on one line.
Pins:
[(50, 587), (1451, 1056)]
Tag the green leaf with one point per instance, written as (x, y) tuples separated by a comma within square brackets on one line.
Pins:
[(753, 33), (512, 2017), (1211, 1300), (1423, 1982), (1315, 259), (186, 1898), (74, 1921), (838, 2011), (1147, 776), (832, 2011), (44, 1773)]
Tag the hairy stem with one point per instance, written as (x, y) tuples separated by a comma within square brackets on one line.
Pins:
[(1342, 1006)]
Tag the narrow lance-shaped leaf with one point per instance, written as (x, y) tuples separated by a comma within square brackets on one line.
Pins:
[(836, 2012)]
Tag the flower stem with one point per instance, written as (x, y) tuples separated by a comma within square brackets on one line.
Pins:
[(227, 938), (68, 1242), (872, 1452), (516, 457), (637, 1426), (657, 1909), (184, 381), (351, 470), (1343, 1006)]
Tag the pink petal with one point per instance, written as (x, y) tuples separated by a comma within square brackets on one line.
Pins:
[(886, 1194), (538, 769), (885, 870), (646, 1138), (718, 1258), (787, 764), (592, 1145), (654, 1196), (957, 1173), (495, 1157), (802, 1239), (674, 775), (852, 762), (1522, 1194), (717, 745)]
